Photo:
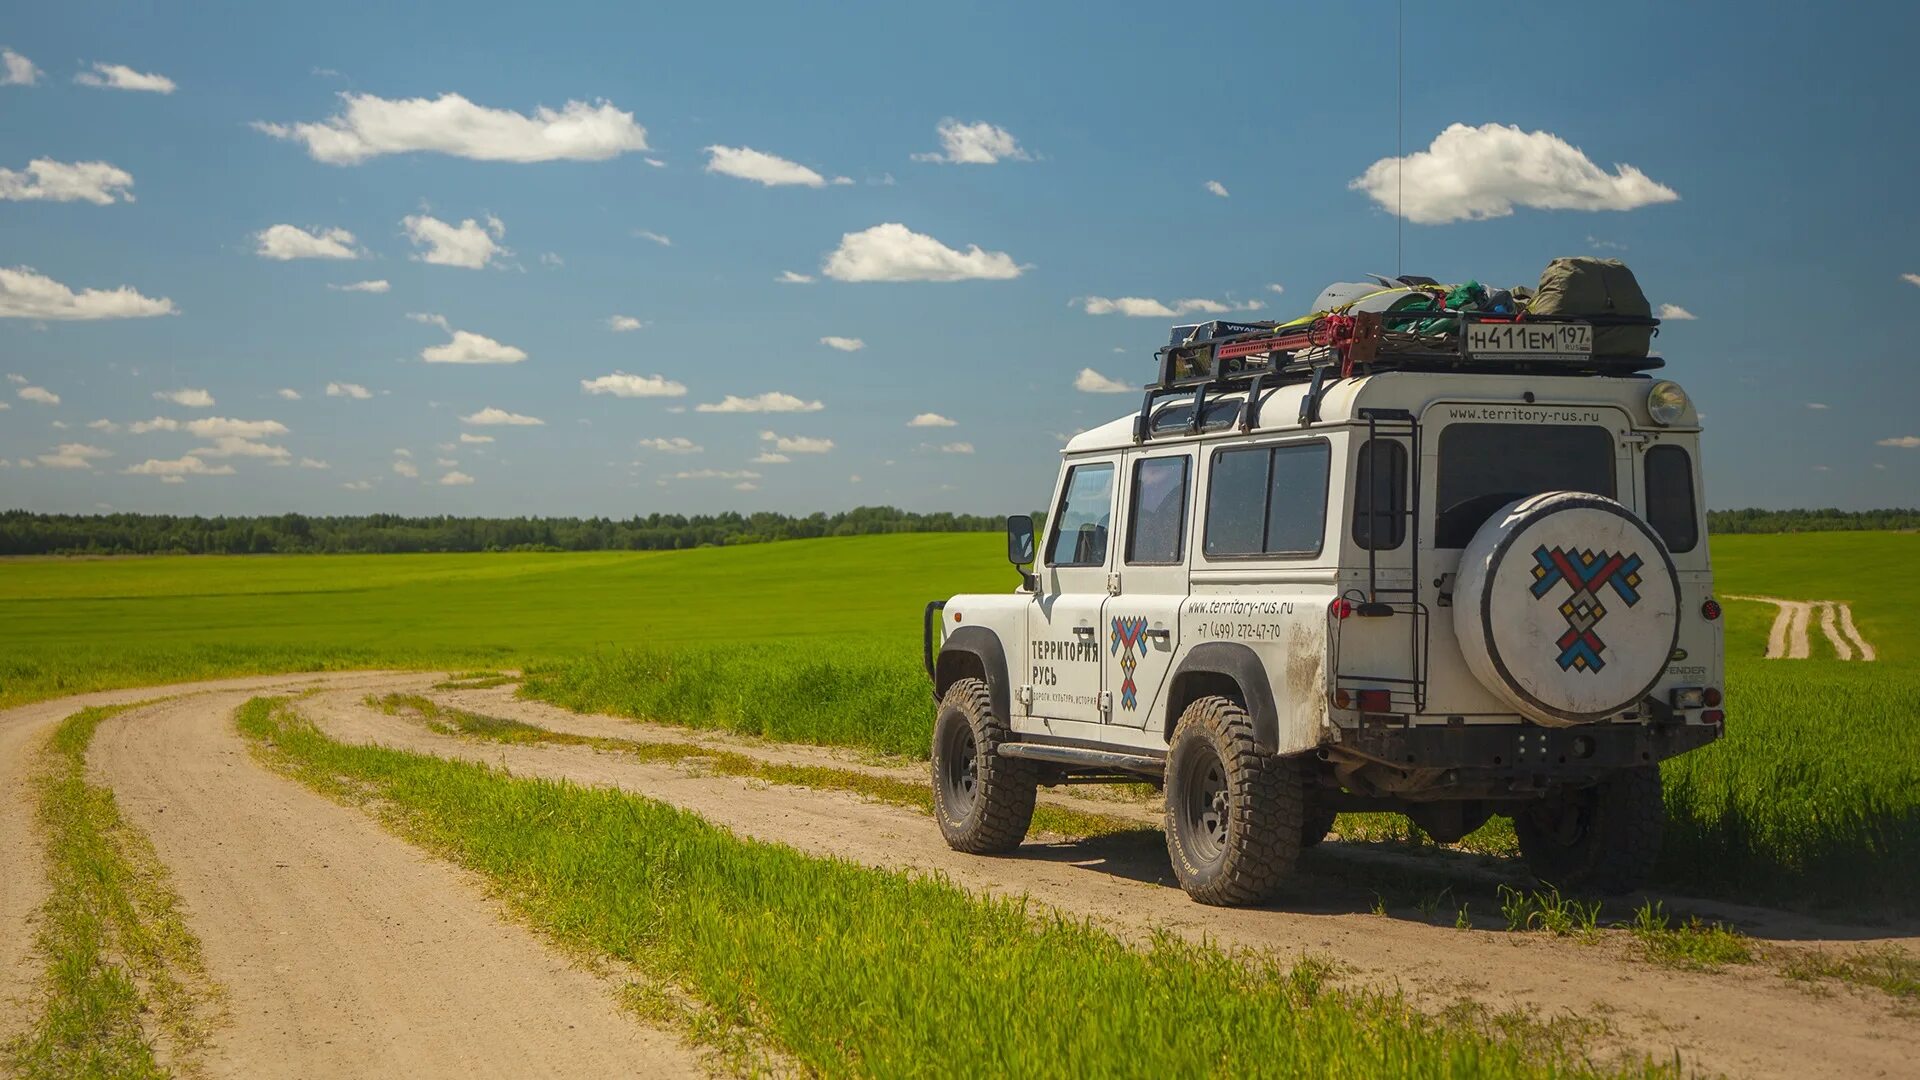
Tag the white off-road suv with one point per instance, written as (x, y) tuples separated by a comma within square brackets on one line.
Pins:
[(1338, 567)]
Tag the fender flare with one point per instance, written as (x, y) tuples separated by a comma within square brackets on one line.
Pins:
[(1241, 664), (984, 645)]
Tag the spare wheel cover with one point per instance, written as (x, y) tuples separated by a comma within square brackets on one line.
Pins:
[(1566, 606)]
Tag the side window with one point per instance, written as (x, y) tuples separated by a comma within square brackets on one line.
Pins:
[(1267, 501), (1080, 521), (1380, 495), (1157, 518), (1670, 506)]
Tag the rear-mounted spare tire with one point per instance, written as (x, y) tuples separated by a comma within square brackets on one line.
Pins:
[(1567, 607)]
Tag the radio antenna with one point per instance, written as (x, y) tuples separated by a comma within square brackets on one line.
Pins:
[(1399, 136)]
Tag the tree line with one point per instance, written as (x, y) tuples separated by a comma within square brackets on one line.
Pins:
[(1787, 521), (24, 533)]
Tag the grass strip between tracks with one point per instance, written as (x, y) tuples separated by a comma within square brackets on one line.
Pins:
[(1061, 821), (851, 970), (119, 958)]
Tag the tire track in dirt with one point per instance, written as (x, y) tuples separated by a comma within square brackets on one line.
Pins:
[(1787, 638), (344, 950), (1746, 1022)]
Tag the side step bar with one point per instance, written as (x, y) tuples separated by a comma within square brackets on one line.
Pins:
[(1086, 759)]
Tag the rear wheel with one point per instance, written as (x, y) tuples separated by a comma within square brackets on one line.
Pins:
[(1604, 838), (1316, 819), (1234, 812), (983, 802)]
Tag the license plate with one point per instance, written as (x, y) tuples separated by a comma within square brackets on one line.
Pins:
[(1529, 341)]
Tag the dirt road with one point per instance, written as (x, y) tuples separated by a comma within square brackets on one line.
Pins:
[(1787, 639), (346, 951)]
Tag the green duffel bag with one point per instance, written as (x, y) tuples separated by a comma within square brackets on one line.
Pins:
[(1584, 286)]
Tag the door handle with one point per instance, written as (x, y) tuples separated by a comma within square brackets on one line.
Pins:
[(1083, 631)]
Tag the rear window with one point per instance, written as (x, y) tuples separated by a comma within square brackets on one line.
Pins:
[(1486, 466), (1380, 495), (1670, 505), (1267, 501)]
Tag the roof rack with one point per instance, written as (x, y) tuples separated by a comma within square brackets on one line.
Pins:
[(1218, 357)]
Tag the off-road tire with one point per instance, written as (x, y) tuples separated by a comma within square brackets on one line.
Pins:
[(983, 802), (1602, 839), (1234, 812), (1316, 820)]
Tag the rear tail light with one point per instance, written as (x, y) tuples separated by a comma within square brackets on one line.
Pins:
[(1340, 609), (1342, 699), (1712, 716), (1710, 609), (1711, 695), (1376, 701)]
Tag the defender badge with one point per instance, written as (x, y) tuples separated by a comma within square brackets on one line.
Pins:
[(1129, 634), (1585, 573)]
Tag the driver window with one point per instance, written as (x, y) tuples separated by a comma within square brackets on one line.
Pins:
[(1080, 522)]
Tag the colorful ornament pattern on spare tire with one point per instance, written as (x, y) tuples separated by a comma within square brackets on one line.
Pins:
[(1585, 573)]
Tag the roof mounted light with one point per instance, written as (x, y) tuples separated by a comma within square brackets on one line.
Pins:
[(1666, 403)]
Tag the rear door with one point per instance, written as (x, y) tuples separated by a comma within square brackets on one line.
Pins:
[(1142, 618), (1063, 623)]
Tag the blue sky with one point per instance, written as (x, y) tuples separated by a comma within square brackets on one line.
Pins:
[(1753, 165)]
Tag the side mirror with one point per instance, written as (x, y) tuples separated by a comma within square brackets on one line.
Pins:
[(1020, 539)]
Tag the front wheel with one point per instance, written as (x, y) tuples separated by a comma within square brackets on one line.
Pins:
[(1234, 811), (1604, 838), (984, 802)]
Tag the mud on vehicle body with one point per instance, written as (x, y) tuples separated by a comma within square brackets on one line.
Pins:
[(1445, 589)]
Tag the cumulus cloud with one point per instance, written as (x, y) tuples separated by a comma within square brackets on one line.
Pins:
[(158, 423), (893, 252), (408, 469), (797, 444), (1475, 173), (468, 244), (717, 474), (678, 444), (39, 395), (376, 286), (25, 294), (1147, 307), (456, 478), (1911, 279), (288, 393), (17, 70), (105, 425), (621, 324), (844, 344), (974, 144), (368, 126), (1818, 405), (122, 77), (313, 463), (760, 167), (54, 181), (788, 277), (929, 419), (177, 469), (348, 390), (467, 438), (285, 242), (1675, 313), (1904, 442), (1217, 188), (220, 427), (74, 456), (621, 384), (1090, 381), (192, 399), (468, 347), (771, 402), (768, 457), (492, 417), (658, 238), (1276, 289), (956, 448), (227, 446)]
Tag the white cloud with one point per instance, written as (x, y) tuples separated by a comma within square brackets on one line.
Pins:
[(25, 294), (788, 277), (551, 258), (192, 399), (717, 474), (376, 286), (678, 444), (218, 427), (369, 126), (493, 417), (1475, 173), (406, 468), (122, 77), (348, 390), (1276, 289), (768, 457), (1911, 279), (1147, 307), (226, 446), (469, 244), (358, 485), (1217, 188), (288, 393), (760, 167), (956, 448), (746, 485), (974, 144), (621, 384), (621, 324), (844, 344), (402, 452), (313, 463), (771, 402), (797, 444), (929, 419), (1818, 405), (445, 463), (285, 242), (39, 395), (158, 423), (74, 456), (893, 252), (1905, 442), (17, 70), (107, 426), (466, 438), (455, 479), (173, 471), (1090, 381), (17, 380), (1675, 313), (54, 181), (658, 238), (468, 347)]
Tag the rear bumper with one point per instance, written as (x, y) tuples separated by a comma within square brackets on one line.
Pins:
[(1524, 750)]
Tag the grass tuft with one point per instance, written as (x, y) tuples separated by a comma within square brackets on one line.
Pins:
[(1692, 944)]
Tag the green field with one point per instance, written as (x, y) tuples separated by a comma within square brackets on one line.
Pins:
[(1813, 798)]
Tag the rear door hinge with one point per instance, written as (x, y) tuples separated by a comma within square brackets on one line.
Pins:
[(1024, 696), (1106, 702), (1113, 584)]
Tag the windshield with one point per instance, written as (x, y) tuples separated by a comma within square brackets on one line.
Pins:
[(1483, 467)]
